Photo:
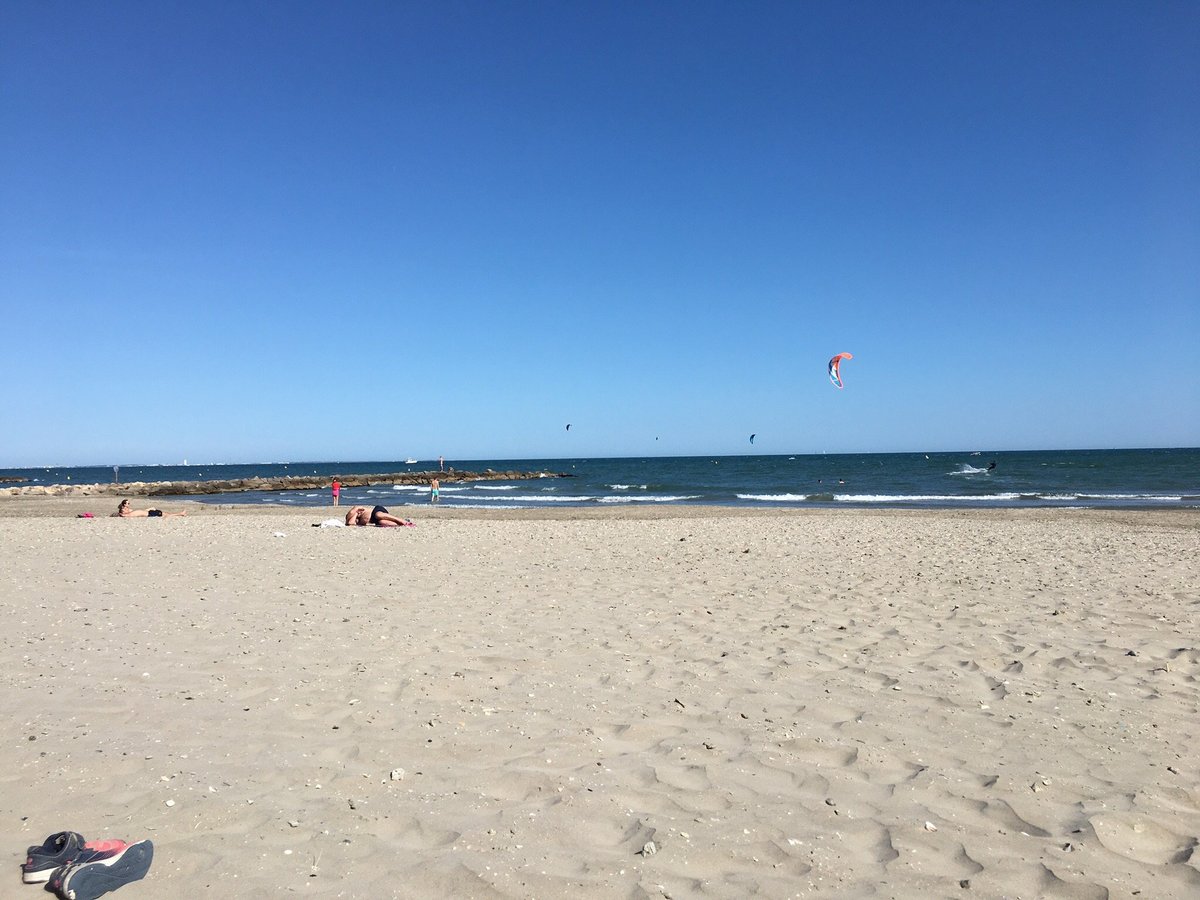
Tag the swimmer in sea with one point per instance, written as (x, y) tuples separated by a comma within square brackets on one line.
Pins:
[(379, 516), (125, 511)]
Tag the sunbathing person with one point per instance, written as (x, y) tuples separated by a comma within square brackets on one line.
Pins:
[(360, 515), (125, 511)]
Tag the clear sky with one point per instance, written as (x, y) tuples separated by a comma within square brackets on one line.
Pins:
[(240, 232)]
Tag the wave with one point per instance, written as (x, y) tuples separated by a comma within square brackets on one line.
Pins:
[(925, 498), (1085, 497), (495, 487), (1161, 497), (788, 498), (463, 505), (485, 502), (655, 499), (491, 502), (1006, 497), (777, 498), (968, 469), (627, 487)]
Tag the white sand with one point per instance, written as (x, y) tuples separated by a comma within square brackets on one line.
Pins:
[(910, 705)]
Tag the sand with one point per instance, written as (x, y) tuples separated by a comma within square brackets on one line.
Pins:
[(664, 703)]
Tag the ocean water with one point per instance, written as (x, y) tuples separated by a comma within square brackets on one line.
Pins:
[(1166, 478)]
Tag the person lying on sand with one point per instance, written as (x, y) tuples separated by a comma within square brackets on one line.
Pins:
[(125, 511), (359, 515)]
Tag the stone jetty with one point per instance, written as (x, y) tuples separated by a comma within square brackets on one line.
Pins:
[(241, 485)]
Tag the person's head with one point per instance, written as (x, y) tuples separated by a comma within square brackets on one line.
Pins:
[(123, 505)]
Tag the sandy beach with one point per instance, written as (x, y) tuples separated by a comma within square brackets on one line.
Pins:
[(623, 703)]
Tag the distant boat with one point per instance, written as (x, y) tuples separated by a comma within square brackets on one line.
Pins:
[(410, 461)]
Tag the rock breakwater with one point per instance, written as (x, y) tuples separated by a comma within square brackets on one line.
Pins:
[(242, 485)]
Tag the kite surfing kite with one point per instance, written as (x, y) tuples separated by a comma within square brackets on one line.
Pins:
[(834, 365), (568, 426), (752, 437)]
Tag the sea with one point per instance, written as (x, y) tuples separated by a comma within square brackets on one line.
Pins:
[(1143, 478)]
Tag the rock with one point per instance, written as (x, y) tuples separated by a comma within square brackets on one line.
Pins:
[(287, 482)]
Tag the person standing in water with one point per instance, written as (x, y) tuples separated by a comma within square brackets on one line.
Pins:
[(434, 487), (337, 491)]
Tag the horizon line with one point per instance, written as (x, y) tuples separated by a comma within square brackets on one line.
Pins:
[(304, 462)]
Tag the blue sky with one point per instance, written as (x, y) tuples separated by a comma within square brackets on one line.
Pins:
[(239, 232)]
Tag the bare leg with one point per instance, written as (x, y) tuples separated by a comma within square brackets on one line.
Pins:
[(387, 520)]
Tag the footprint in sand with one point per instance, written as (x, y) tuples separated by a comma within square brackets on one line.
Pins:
[(415, 834), (1137, 838), (816, 753)]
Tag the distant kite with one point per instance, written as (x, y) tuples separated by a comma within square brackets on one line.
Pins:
[(568, 426), (835, 365), (752, 437)]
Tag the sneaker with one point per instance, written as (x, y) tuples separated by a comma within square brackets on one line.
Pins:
[(57, 850), (96, 872)]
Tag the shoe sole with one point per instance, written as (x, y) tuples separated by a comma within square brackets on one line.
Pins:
[(94, 879)]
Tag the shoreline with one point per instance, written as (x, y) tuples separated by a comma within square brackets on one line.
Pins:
[(71, 507), (1160, 480)]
